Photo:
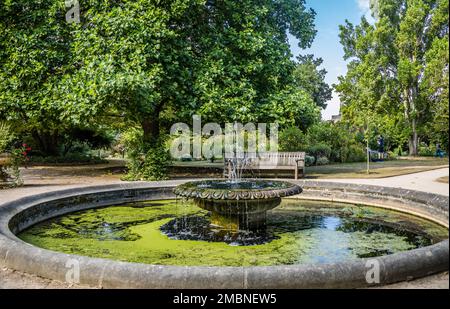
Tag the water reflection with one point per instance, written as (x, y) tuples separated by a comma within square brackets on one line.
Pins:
[(171, 233)]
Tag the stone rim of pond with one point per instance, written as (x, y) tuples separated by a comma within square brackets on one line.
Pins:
[(24, 212)]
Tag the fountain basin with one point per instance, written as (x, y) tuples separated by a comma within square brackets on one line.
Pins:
[(240, 205), (237, 191), (18, 215)]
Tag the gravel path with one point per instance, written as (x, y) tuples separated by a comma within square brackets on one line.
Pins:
[(423, 181)]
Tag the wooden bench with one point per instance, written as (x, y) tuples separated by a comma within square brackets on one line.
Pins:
[(275, 161)]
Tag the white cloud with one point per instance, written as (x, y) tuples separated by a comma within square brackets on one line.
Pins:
[(364, 8), (363, 5), (333, 107)]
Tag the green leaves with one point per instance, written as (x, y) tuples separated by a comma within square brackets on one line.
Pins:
[(389, 82), (5, 136), (311, 79), (155, 63), (34, 53), (246, 73)]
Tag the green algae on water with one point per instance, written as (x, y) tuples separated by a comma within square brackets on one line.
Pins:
[(305, 232)]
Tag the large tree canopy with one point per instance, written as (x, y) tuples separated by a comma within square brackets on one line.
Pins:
[(34, 57), (245, 73), (398, 71), (309, 77), (151, 62)]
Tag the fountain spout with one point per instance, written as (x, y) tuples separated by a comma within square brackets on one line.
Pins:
[(237, 166)]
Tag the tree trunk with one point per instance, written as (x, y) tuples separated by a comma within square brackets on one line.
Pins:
[(410, 116), (150, 126), (413, 140), (51, 143), (413, 150), (38, 140), (47, 141)]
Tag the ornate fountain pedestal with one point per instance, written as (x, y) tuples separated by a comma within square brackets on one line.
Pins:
[(238, 214), (237, 206)]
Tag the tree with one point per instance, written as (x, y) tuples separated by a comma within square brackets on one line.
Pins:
[(226, 60), (388, 63), (151, 63), (34, 57), (311, 79), (247, 69), (435, 89), (135, 60)]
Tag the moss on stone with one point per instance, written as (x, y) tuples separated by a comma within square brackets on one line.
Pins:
[(132, 233)]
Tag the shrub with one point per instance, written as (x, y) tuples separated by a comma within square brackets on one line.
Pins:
[(322, 161), (344, 145), (151, 164), (355, 153), (3, 174), (399, 151), (83, 140), (309, 160), (19, 155), (426, 151), (319, 150), (70, 158), (324, 132), (133, 144), (5, 139), (292, 139), (5, 136), (118, 149), (132, 140), (392, 155), (156, 164), (17, 159)]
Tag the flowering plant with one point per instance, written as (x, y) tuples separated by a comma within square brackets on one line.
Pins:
[(19, 156)]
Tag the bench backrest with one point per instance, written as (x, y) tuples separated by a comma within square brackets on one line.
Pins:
[(281, 158)]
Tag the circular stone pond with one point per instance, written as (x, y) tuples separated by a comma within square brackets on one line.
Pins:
[(176, 233), (140, 236)]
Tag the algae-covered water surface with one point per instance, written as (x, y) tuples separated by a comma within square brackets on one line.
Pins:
[(297, 232)]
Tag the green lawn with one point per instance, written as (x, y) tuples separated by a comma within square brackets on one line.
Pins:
[(443, 179), (344, 170), (377, 169)]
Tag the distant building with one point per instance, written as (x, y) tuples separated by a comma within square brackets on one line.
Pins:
[(336, 118)]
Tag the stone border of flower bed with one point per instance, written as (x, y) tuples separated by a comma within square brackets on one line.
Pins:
[(22, 213)]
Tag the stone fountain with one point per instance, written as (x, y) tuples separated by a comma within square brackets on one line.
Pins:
[(237, 204)]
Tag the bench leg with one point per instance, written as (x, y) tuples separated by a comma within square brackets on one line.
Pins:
[(296, 173)]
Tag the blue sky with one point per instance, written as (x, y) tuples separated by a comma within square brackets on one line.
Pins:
[(331, 14)]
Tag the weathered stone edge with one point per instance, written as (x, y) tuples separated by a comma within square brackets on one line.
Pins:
[(18, 255)]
